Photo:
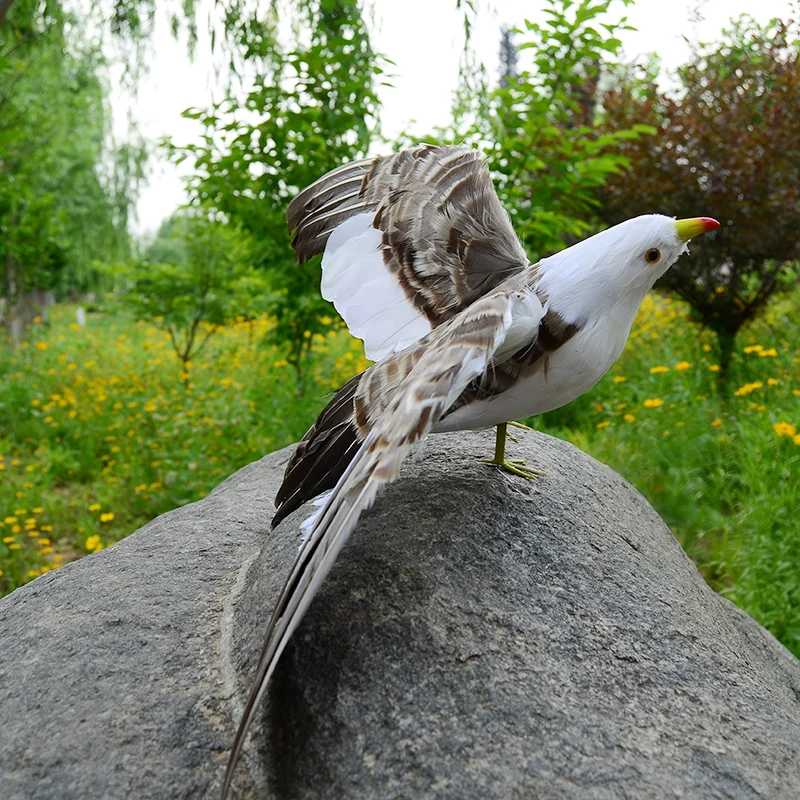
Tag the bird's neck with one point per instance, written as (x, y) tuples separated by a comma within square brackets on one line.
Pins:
[(579, 294)]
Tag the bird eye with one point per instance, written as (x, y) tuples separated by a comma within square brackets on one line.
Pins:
[(652, 255)]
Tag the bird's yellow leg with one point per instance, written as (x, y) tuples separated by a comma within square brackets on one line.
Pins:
[(516, 466)]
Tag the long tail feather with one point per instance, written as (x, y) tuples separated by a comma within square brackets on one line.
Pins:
[(450, 358)]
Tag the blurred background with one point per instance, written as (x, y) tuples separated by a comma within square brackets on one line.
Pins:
[(157, 334)]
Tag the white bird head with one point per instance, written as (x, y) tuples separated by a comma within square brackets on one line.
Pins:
[(619, 264)]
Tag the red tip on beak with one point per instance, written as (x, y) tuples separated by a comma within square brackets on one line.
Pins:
[(689, 228)]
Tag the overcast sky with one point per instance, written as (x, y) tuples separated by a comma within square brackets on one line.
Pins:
[(424, 38)]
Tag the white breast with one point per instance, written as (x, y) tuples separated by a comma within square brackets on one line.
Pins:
[(572, 370)]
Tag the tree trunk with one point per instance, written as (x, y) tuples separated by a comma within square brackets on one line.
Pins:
[(185, 370), (726, 342), (20, 307)]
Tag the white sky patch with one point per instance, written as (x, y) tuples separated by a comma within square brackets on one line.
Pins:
[(425, 39)]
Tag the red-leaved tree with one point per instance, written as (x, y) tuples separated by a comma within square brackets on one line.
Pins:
[(727, 145)]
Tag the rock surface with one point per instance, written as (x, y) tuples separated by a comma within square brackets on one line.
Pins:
[(479, 637)]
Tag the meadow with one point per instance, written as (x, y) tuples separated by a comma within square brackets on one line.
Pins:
[(100, 431)]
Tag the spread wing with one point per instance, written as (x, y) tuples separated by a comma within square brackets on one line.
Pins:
[(437, 372), (409, 240)]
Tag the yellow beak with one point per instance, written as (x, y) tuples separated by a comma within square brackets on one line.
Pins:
[(689, 228)]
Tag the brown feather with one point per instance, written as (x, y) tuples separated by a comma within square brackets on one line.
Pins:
[(322, 455), (446, 238), (553, 333)]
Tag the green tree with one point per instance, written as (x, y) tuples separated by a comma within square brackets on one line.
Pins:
[(67, 190), (314, 106), (208, 283), (728, 145), (539, 128), (65, 195)]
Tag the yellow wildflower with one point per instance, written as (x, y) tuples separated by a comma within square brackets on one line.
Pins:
[(10, 520), (795, 439), (706, 348), (106, 517), (619, 379), (604, 424), (41, 345), (656, 370), (654, 402), (92, 542), (714, 367), (753, 348), (8, 539), (772, 382), (37, 510), (784, 429), (94, 507), (14, 546), (716, 423), (682, 365), (629, 418), (771, 353), (748, 388)]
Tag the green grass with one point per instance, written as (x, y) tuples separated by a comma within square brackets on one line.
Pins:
[(98, 434), (724, 474)]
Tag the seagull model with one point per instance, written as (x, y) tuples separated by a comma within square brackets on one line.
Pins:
[(423, 264)]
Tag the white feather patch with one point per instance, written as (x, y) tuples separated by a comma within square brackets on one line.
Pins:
[(524, 315), (307, 525), (368, 296)]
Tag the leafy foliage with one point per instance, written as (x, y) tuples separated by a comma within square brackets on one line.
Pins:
[(539, 129), (208, 283), (313, 107), (728, 146), (65, 196)]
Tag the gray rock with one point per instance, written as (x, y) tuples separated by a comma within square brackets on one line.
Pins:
[(480, 636)]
